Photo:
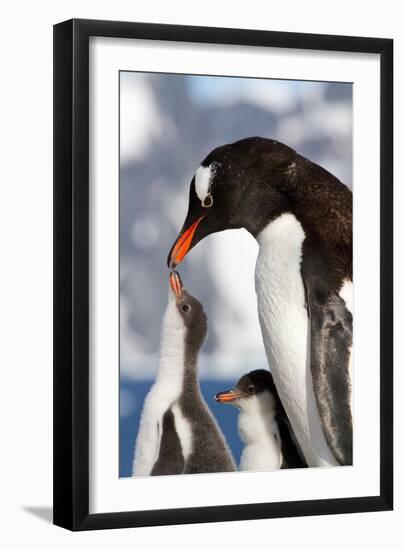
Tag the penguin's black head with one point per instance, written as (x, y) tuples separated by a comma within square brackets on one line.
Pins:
[(190, 312), (236, 186), (250, 385)]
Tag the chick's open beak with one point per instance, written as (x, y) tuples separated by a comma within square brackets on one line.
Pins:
[(176, 285), (228, 396), (182, 244)]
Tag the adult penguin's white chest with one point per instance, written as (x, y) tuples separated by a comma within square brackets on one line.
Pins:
[(285, 328)]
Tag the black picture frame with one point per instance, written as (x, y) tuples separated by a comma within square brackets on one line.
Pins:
[(71, 274)]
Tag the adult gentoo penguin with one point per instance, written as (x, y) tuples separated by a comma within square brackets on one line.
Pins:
[(301, 217), (178, 434), (263, 424)]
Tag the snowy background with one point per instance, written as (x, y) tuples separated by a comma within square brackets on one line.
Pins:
[(168, 124)]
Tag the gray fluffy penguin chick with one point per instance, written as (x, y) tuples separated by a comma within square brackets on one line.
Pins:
[(178, 434), (263, 425)]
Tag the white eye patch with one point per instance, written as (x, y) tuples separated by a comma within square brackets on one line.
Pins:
[(203, 180)]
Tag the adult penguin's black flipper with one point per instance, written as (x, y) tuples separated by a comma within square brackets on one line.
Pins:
[(331, 341)]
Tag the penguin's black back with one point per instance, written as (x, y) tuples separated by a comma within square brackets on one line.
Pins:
[(209, 450), (170, 459), (291, 453)]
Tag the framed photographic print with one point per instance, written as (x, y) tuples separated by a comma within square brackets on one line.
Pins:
[(216, 193)]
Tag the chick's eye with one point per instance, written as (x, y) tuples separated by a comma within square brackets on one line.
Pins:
[(251, 390), (185, 308), (208, 201)]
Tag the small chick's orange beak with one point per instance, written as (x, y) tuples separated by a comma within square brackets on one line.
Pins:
[(228, 396), (182, 244), (176, 284)]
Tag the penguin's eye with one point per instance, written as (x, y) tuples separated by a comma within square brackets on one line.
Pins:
[(185, 308), (207, 201), (251, 390)]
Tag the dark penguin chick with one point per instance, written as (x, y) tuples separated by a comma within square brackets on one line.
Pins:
[(301, 217), (178, 434), (263, 424)]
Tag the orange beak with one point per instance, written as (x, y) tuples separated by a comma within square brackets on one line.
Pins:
[(182, 245), (176, 284), (228, 396)]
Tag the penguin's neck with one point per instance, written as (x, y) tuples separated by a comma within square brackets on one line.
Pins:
[(259, 431), (177, 363), (171, 368), (190, 375), (171, 362)]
